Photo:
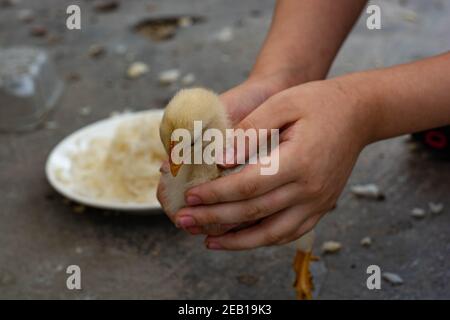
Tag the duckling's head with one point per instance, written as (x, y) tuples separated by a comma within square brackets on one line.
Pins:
[(187, 106)]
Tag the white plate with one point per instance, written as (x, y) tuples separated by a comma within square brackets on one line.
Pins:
[(60, 159)]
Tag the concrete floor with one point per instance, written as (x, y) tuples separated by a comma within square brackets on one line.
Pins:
[(126, 256)]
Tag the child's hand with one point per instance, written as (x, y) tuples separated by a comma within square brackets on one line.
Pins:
[(325, 130), (239, 102)]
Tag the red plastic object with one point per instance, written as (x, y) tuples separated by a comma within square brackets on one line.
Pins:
[(436, 139)]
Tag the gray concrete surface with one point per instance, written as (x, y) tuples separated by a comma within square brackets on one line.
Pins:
[(126, 256)]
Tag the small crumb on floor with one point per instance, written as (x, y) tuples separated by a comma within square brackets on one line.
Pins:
[(331, 247), (392, 278), (370, 191), (436, 208), (169, 76), (418, 213), (137, 69), (188, 79), (366, 241), (224, 35)]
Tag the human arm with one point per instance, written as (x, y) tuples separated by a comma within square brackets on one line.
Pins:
[(302, 42)]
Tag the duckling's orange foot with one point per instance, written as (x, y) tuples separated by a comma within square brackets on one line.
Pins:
[(303, 282)]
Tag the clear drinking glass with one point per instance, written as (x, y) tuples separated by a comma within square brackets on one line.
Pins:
[(29, 88)]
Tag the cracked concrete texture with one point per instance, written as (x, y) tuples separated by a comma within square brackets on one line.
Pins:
[(130, 256)]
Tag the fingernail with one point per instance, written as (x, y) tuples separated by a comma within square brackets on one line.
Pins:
[(193, 200), (186, 222), (213, 245)]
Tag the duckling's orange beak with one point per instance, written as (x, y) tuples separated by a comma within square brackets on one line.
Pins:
[(174, 168)]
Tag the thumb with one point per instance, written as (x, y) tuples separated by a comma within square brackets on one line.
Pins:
[(244, 98), (277, 112)]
